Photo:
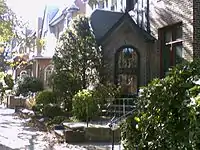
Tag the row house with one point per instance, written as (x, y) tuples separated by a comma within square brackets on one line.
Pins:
[(141, 39)]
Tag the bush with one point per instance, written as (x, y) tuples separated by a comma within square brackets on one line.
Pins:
[(30, 102), (46, 97), (38, 109), (52, 110), (56, 120), (167, 113), (84, 106), (102, 92), (28, 84), (9, 81)]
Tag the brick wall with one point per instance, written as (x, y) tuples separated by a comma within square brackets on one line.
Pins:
[(168, 12), (196, 34)]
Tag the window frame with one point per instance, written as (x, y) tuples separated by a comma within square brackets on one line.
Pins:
[(172, 45)]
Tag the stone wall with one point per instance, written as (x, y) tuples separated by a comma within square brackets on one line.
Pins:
[(124, 35)]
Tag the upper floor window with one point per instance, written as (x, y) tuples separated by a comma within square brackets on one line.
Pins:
[(171, 46), (126, 70)]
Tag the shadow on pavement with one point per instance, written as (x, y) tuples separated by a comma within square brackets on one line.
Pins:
[(2, 147)]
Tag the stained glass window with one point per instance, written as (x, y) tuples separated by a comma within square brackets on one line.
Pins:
[(126, 70)]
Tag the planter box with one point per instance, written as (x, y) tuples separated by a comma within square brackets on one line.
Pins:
[(94, 134), (13, 102), (74, 136)]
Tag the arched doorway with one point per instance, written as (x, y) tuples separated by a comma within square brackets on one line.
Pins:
[(127, 69), (47, 73)]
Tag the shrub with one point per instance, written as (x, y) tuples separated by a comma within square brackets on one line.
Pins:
[(167, 113), (52, 110), (102, 92), (9, 81), (28, 84), (56, 120), (30, 102), (46, 97), (38, 109), (84, 106)]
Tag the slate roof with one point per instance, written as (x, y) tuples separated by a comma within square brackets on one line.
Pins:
[(104, 22)]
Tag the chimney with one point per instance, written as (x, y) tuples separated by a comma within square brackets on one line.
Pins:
[(130, 5)]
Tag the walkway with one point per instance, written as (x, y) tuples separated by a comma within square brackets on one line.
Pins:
[(16, 135)]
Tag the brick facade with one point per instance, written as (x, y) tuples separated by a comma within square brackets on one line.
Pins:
[(168, 12), (196, 33)]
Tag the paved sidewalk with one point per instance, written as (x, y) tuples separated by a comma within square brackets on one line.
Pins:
[(16, 135)]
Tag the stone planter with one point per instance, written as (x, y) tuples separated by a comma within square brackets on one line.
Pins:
[(74, 136), (13, 101)]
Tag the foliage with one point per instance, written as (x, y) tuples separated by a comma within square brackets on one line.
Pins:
[(9, 81), (30, 103), (84, 106), (167, 112), (52, 110), (28, 84), (46, 97), (103, 92), (6, 23), (77, 60), (56, 120), (38, 109)]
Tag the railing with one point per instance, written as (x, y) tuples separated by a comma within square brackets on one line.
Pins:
[(122, 108)]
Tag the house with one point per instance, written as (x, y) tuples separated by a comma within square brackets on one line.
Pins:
[(49, 28), (141, 40)]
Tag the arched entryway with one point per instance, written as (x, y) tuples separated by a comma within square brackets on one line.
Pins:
[(127, 69), (47, 73)]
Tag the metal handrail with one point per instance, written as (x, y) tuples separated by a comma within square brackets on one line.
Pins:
[(115, 122)]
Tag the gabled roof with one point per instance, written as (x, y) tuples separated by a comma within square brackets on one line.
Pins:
[(102, 21), (105, 22), (60, 15)]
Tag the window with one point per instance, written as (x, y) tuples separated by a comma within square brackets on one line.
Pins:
[(47, 73), (171, 46), (126, 70), (23, 74)]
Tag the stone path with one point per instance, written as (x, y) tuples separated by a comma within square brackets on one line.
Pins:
[(16, 135)]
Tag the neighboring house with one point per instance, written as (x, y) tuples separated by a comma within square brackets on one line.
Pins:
[(18, 52), (50, 26)]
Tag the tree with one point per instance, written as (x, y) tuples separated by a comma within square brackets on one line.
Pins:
[(167, 112), (8, 25), (7, 22), (77, 60)]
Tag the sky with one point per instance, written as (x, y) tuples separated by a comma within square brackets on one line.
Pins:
[(29, 9)]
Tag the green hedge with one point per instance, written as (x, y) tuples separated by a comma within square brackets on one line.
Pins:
[(52, 110), (46, 97), (84, 106), (167, 113)]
